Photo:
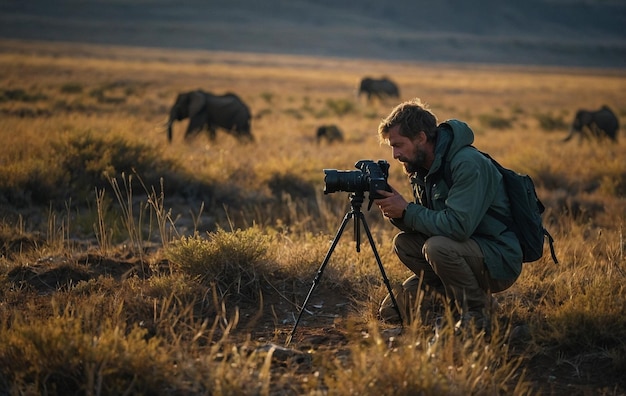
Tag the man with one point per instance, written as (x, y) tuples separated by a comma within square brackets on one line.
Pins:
[(456, 250)]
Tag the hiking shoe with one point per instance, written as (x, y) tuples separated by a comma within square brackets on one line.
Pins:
[(475, 322), (389, 315), (387, 311)]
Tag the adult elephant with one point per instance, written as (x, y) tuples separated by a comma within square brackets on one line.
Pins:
[(206, 110), (380, 88), (598, 124)]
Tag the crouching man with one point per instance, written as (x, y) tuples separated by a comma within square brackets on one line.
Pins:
[(459, 254)]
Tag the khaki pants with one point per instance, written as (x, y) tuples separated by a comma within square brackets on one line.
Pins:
[(445, 270)]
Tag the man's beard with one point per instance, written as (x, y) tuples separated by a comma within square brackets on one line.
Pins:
[(417, 163)]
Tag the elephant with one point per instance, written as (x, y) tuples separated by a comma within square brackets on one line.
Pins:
[(206, 110), (380, 88), (329, 132), (598, 124)]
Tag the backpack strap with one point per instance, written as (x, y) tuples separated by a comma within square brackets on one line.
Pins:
[(551, 243), (447, 176)]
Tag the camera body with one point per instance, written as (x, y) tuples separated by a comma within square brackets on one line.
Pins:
[(371, 176)]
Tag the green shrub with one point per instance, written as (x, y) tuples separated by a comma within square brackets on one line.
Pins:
[(549, 122), (495, 121), (20, 95), (267, 96), (226, 258), (72, 88), (291, 184), (89, 159), (64, 355), (14, 241), (340, 107), (27, 182)]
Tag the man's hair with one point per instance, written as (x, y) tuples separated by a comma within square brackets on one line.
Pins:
[(413, 116)]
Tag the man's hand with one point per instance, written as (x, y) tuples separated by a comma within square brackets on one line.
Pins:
[(393, 205)]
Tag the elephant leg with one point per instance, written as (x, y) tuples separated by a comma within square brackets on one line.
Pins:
[(169, 129), (595, 133), (196, 124), (243, 129), (212, 133)]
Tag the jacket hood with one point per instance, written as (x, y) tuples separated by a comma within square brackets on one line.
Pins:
[(452, 136)]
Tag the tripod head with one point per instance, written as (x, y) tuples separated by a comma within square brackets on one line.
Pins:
[(356, 200)]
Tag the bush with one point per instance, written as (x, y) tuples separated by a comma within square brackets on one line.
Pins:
[(340, 107), (62, 355), (225, 258), (20, 95), (89, 159), (495, 122), (549, 122), (30, 181), (72, 88)]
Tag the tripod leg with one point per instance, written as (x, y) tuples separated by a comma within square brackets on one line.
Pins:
[(380, 265), (319, 272), (357, 233)]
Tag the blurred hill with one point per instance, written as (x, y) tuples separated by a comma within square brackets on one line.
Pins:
[(581, 33)]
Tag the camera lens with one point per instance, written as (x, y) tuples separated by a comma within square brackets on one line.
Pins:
[(342, 180)]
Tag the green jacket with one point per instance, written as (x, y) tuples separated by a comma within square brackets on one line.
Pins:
[(460, 212)]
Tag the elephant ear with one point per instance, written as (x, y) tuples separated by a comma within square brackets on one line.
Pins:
[(197, 102)]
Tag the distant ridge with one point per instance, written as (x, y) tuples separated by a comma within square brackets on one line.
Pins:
[(531, 32)]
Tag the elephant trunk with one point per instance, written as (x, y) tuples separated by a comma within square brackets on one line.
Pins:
[(170, 121), (571, 134)]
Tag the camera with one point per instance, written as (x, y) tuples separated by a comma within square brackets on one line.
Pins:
[(371, 176)]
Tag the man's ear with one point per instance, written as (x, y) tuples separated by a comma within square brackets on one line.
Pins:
[(421, 137)]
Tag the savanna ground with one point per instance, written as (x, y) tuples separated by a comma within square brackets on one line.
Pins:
[(130, 265)]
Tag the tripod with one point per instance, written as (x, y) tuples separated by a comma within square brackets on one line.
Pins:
[(356, 200)]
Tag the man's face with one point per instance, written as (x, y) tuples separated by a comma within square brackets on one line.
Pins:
[(409, 152)]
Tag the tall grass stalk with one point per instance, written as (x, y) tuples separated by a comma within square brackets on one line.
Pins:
[(167, 229), (58, 230), (124, 197), (195, 218), (102, 231)]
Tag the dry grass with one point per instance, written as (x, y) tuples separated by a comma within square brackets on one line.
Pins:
[(131, 265)]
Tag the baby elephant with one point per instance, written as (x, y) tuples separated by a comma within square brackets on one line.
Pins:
[(378, 88), (598, 124), (329, 132)]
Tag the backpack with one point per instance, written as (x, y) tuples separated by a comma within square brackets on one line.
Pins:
[(526, 211)]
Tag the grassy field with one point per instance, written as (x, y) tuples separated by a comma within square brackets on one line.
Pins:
[(134, 266)]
